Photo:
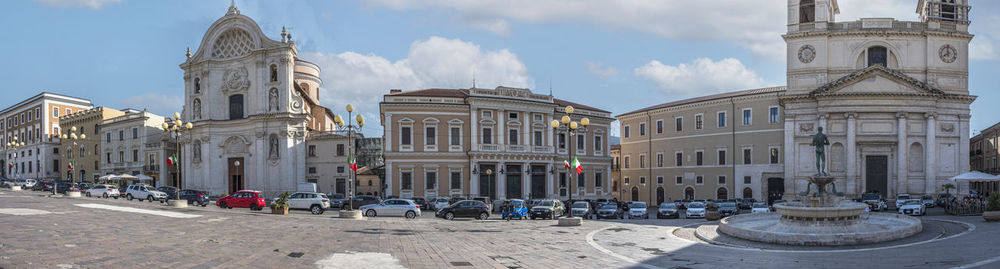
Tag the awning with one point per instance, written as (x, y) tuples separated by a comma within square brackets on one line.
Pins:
[(975, 176), (126, 177), (144, 177)]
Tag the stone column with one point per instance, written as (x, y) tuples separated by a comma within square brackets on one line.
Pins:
[(901, 147), (526, 180), (501, 134), (550, 178), (473, 130), (852, 156), (963, 144), (930, 156)]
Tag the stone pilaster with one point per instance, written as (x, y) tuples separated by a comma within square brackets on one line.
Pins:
[(930, 158), (852, 162), (901, 176)]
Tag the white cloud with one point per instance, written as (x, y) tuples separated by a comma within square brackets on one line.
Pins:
[(753, 24), (362, 79), (987, 31), (91, 4), (160, 104), (601, 71), (700, 77), (495, 26)]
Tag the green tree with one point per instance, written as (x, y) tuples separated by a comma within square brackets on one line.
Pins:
[(948, 187)]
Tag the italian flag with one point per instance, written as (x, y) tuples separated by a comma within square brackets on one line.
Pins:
[(576, 163), (567, 163), (353, 160), (172, 160), (70, 166), (10, 165)]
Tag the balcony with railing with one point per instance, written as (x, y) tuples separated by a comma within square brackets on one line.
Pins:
[(517, 148), (541, 149), (489, 147)]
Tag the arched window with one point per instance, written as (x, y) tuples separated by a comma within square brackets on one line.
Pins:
[(747, 193), (807, 11), (197, 85), (722, 194), (878, 55), (236, 107), (369, 182), (274, 73)]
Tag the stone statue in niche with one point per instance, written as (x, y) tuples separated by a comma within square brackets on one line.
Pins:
[(272, 100), (197, 109), (273, 153), (196, 151)]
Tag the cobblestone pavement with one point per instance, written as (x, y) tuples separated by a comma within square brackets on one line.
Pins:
[(49, 232)]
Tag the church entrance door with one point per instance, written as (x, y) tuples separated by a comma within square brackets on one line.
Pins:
[(876, 174), (236, 174)]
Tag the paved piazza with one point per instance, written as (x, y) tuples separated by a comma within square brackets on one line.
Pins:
[(59, 232)]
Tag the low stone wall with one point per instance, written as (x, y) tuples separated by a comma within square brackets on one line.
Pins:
[(768, 228)]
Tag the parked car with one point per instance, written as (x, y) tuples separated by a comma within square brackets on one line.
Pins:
[(392, 207), (927, 200), (515, 209), (144, 192), (42, 186), (901, 198), (728, 209), (456, 199), (63, 187), (84, 186), (337, 200), (637, 210), (464, 209), (315, 202), (581, 209), (170, 191), (362, 200), (102, 190), (913, 207), (874, 201), (27, 183), (548, 209), (610, 211), (440, 203), (667, 210), (485, 200), (695, 209), (420, 201), (243, 199), (759, 208), (195, 197)]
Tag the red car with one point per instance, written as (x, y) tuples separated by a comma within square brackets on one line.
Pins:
[(245, 199)]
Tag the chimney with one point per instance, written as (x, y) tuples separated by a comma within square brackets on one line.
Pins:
[(391, 91)]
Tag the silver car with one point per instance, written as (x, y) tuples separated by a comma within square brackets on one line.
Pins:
[(392, 207)]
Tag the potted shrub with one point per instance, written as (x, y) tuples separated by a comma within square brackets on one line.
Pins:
[(712, 212), (280, 206), (992, 212)]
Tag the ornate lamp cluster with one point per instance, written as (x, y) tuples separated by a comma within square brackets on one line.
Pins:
[(351, 128), (174, 129), (73, 137), (572, 126)]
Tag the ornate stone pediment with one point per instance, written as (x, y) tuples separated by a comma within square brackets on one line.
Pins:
[(235, 145), (876, 79)]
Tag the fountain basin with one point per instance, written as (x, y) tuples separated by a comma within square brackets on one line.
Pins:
[(843, 212), (774, 228)]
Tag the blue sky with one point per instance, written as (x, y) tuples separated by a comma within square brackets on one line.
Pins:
[(616, 55)]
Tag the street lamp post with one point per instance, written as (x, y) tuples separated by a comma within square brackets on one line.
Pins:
[(14, 145), (572, 127), (351, 128), (71, 136), (175, 129)]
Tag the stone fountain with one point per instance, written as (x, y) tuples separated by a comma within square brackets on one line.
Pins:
[(821, 217)]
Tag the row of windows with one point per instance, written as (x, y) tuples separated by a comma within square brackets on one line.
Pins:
[(773, 158), (121, 135), (312, 150), (430, 180), (513, 137), (121, 156), (14, 121), (698, 180), (699, 122)]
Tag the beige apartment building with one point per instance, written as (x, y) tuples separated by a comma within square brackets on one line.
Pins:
[(984, 151), (35, 121), (84, 152), (721, 146), (326, 161), (443, 142), (124, 146)]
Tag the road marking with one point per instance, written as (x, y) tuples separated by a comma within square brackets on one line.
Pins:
[(353, 260), (213, 220), (590, 240), (141, 211), (977, 264), (23, 211)]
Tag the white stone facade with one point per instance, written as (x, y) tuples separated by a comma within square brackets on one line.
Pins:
[(891, 95), (124, 139), (246, 95)]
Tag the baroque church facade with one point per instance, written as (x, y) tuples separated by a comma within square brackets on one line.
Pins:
[(891, 95), (252, 102)]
